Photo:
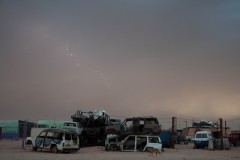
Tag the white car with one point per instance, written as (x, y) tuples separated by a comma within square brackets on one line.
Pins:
[(133, 143), (55, 140), (72, 126)]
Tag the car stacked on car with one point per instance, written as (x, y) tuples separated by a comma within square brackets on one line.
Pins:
[(135, 125), (134, 134)]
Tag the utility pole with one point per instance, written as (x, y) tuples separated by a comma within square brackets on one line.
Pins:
[(173, 130), (221, 133), (24, 134), (225, 127)]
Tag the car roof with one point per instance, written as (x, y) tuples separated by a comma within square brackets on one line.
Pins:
[(202, 132), (57, 130), (69, 122), (143, 135), (144, 117)]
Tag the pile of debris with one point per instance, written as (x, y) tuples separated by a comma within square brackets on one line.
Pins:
[(92, 125)]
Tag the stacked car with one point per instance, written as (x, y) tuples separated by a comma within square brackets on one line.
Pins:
[(134, 134)]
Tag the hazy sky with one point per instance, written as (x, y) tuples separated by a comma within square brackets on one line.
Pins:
[(132, 58)]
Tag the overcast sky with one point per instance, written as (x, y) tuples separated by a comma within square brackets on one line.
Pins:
[(131, 58)]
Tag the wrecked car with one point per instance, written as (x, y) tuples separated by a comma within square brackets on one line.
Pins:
[(135, 125), (72, 126), (132, 143), (92, 126), (55, 140)]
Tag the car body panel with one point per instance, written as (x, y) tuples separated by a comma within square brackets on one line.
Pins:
[(133, 142), (135, 125), (72, 126), (63, 140)]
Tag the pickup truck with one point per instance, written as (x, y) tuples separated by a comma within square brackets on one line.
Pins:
[(72, 126)]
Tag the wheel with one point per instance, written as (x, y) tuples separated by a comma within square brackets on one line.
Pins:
[(34, 148), (112, 147), (54, 149)]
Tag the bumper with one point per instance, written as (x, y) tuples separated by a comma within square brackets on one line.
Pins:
[(201, 143)]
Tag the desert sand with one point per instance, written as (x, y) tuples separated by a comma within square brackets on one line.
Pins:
[(12, 150)]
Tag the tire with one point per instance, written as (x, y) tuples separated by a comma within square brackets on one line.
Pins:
[(29, 142), (54, 149), (34, 149), (112, 147)]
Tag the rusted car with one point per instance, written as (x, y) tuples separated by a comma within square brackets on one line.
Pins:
[(132, 143), (55, 140), (135, 125)]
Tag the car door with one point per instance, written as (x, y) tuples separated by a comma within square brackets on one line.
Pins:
[(141, 143), (48, 139), (39, 141), (129, 144), (68, 139)]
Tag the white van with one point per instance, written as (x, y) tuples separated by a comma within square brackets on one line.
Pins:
[(55, 140), (202, 138)]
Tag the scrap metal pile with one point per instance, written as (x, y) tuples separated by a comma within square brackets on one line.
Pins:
[(203, 123), (97, 125), (93, 126)]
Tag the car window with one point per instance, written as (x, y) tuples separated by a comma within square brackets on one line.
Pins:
[(42, 134), (74, 138), (129, 143), (70, 124), (150, 121), (50, 134), (201, 135), (204, 135), (128, 124), (58, 135), (198, 136), (67, 136), (57, 138), (153, 140)]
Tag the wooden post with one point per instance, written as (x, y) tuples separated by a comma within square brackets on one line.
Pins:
[(173, 130), (225, 127), (221, 133), (24, 134)]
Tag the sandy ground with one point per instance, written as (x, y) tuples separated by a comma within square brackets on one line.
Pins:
[(11, 150)]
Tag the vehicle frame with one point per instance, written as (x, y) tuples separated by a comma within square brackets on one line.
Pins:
[(55, 140), (135, 125), (132, 143)]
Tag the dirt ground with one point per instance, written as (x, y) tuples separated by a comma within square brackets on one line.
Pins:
[(12, 150)]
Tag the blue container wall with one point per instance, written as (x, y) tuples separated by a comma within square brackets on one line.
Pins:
[(166, 138), (10, 135), (9, 129)]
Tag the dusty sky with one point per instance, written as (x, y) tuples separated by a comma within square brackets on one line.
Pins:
[(132, 58)]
